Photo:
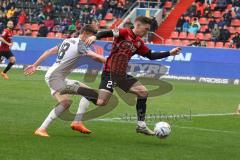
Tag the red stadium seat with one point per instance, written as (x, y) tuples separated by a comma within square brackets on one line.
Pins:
[(174, 35), (168, 5), (208, 36), (203, 21), (34, 33), (95, 2), (219, 45), (51, 35), (235, 23), (213, 5), (211, 44), (186, 42), (183, 35), (83, 1), (34, 27), (109, 16), (226, 45), (28, 26), (191, 36), (58, 35), (217, 14), (177, 42), (169, 41), (103, 23), (200, 36), (237, 29), (203, 28)]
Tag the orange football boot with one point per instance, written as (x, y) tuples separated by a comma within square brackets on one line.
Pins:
[(41, 132), (5, 76), (79, 126)]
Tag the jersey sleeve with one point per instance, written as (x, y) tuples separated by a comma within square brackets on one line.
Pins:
[(59, 45), (121, 32), (4, 34), (143, 49), (82, 48)]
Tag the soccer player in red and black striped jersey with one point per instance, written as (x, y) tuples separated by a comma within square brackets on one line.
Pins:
[(5, 44), (127, 42)]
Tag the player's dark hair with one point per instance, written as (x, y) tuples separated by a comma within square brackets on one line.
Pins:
[(128, 25), (144, 20), (89, 29)]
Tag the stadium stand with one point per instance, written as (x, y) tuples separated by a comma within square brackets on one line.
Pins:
[(62, 18), (217, 23), (66, 16), (59, 16)]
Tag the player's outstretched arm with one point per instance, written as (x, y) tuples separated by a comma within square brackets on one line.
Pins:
[(99, 35), (32, 68), (96, 56), (160, 55)]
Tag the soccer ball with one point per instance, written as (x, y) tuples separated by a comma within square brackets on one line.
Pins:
[(162, 129)]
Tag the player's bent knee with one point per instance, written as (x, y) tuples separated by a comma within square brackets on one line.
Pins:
[(143, 93), (101, 102), (12, 60), (66, 103)]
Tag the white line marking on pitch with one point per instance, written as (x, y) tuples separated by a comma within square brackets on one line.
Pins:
[(120, 120), (205, 129), (212, 114), (175, 116)]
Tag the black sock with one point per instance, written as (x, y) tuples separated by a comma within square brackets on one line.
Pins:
[(141, 108), (88, 93), (8, 67)]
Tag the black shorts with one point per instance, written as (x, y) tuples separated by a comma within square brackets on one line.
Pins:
[(108, 82), (6, 54)]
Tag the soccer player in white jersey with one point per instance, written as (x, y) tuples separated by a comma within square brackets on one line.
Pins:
[(69, 53)]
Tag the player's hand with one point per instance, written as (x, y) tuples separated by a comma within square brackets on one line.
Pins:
[(90, 40), (10, 44), (30, 70), (175, 51)]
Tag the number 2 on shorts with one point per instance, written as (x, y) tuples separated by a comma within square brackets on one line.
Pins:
[(109, 84)]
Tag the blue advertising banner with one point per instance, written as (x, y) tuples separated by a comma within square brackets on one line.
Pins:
[(193, 61)]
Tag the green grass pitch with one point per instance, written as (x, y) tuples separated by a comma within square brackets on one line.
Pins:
[(26, 101)]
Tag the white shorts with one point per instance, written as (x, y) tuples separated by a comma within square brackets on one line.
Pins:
[(52, 85)]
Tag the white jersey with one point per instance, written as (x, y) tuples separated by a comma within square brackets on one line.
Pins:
[(69, 53)]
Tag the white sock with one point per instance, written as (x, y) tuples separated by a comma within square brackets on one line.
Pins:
[(83, 105), (141, 124), (57, 111)]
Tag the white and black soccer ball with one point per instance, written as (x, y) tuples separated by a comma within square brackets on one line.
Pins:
[(162, 129)]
